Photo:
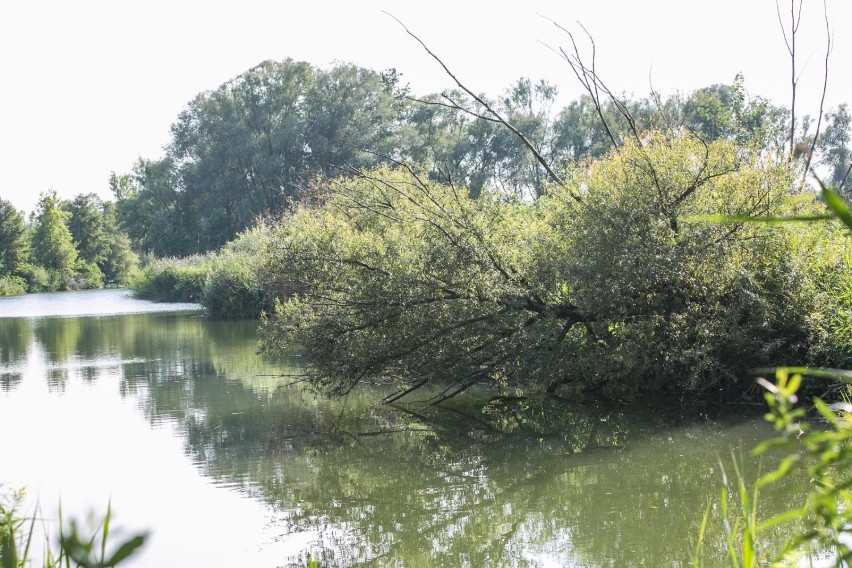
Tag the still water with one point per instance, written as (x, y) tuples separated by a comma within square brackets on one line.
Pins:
[(228, 461)]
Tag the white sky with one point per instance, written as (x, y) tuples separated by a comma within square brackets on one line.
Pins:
[(88, 86)]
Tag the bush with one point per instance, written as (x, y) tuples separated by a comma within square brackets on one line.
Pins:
[(87, 276), (234, 286), (601, 285), (41, 279), (12, 286), (172, 279)]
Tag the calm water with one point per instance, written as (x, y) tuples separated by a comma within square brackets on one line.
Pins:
[(201, 441)]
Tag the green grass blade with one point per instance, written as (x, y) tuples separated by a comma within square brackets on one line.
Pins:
[(126, 549), (836, 204), (105, 534)]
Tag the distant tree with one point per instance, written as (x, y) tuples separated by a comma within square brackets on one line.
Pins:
[(99, 240), (87, 225), (834, 145), (51, 243), (728, 112), (151, 210), (119, 259), (252, 146), (14, 248)]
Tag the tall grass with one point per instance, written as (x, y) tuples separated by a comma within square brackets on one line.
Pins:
[(822, 456), (235, 282), (71, 549), (228, 282), (172, 279)]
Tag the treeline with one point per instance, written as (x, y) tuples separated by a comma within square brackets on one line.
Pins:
[(66, 244), (419, 241), (261, 142)]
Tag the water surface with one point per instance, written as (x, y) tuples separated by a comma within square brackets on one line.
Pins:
[(229, 461)]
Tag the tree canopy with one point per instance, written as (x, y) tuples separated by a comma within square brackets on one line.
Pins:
[(52, 245), (14, 247), (254, 146), (401, 278)]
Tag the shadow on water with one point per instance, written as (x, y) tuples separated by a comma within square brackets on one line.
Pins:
[(535, 483)]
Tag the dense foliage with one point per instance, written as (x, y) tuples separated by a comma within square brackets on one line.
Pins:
[(254, 145), (600, 284), (65, 245), (229, 283)]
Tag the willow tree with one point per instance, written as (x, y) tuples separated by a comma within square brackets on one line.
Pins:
[(398, 278)]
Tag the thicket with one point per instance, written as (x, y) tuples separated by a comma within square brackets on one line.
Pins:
[(229, 283), (171, 279), (603, 284)]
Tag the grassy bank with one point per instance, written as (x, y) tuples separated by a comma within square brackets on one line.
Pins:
[(229, 282)]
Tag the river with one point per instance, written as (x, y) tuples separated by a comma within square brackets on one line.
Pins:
[(229, 461)]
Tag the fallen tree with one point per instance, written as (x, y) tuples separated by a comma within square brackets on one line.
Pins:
[(406, 280)]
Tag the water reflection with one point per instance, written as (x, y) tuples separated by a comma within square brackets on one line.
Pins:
[(529, 484), (14, 338)]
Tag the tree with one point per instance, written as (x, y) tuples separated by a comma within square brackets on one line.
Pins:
[(119, 260), (14, 249), (88, 228), (51, 244), (99, 241), (150, 209), (400, 278), (834, 145), (252, 146)]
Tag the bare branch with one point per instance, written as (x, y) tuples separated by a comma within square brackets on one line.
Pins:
[(828, 49), (491, 111)]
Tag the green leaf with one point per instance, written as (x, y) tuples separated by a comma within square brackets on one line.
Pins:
[(836, 204), (127, 548), (780, 472), (837, 374), (780, 518)]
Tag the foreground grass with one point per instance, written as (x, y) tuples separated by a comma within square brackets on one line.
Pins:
[(73, 548)]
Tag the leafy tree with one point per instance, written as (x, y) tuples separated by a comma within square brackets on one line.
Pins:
[(152, 211), (104, 254), (251, 146), (400, 278), (119, 260), (729, 112), (51, 243), (13, 240), (88, 227), (834, 144)]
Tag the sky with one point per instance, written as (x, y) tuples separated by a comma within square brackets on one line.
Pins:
[(90, 86)]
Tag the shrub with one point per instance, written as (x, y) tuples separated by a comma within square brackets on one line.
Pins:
[(87, 276), (234, 286), (12, 285), (600, 285), (41, 279), (172, 279)]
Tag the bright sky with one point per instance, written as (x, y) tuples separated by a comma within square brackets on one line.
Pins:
[(89, 86)]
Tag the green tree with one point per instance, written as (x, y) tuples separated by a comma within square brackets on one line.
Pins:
[(51, 243), (400, 278), (151, 210), (88, 228), (13, 240), (119, 260), (834, 145)]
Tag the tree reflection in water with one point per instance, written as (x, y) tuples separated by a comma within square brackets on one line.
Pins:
[(536, 482)]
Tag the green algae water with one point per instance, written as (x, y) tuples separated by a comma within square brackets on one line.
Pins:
[(228, 460)]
